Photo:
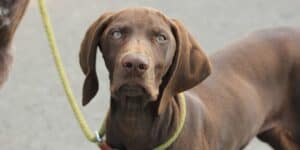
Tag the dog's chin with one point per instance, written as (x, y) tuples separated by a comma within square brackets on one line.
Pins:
[(132, 97), (134, 91)]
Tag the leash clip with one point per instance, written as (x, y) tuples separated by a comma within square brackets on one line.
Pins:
[(101, 143), (98, 138)]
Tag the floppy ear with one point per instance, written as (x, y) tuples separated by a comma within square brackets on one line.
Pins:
[(190, 66), (87, 56)]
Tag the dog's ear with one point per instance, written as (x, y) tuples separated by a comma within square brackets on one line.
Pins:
[(87, 56), (190, 66)]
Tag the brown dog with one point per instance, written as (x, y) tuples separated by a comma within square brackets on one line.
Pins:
[(254, 87), (11, 13)]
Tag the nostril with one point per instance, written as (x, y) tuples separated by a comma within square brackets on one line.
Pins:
[(128, 65), (143, 66)]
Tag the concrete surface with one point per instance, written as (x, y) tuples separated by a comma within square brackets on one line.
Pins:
[(34, 113)]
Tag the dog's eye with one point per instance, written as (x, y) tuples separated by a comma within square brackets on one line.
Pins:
[(116, 34), (161, 38)]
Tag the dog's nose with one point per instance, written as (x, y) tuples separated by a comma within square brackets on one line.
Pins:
[(135, 62)]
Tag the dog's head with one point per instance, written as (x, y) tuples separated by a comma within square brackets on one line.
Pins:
[(148, 55)]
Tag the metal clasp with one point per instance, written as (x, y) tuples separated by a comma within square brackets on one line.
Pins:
[(98, 138)]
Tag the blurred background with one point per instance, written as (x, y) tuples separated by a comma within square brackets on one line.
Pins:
[(34, 112)]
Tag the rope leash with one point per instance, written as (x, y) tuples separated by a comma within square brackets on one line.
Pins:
[(63, 77), (170, 141), (97, 137)]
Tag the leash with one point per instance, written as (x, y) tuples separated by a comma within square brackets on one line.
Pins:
[(169, 142), (96, 137), (63, 77)]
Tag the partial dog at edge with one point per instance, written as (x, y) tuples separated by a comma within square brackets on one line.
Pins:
[(11, 13), (249, 88)]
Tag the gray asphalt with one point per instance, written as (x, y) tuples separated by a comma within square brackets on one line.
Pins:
[(34, 113)]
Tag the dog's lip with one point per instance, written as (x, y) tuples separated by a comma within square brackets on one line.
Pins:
[(132, 90)]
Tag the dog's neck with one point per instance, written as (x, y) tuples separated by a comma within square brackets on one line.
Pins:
[(130, 122)]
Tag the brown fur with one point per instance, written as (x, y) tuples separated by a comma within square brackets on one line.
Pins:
[(12, 12), (253, 89)]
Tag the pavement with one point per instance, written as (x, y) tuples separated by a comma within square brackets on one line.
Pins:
[(34, 112)]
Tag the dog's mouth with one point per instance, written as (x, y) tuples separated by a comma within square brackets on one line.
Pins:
[(132, 90), (128, 90), (133, 97)]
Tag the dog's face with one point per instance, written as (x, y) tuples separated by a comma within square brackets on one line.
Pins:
[(148, 55), (138, 48)]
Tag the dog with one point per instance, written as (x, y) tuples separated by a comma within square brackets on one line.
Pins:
[(249, 88), (11, 13)]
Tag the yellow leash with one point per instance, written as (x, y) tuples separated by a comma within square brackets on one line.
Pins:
[(63, 77), (93, 137)]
